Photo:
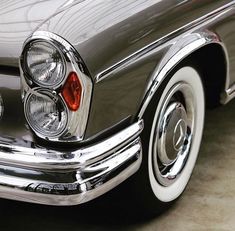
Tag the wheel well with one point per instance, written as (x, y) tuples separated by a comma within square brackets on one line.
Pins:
[(210, 61)]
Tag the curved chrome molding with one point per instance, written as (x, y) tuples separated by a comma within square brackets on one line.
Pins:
[(228, 94), (194, 25), (27, 154), (179, 50), (43, 176), (77, 120)]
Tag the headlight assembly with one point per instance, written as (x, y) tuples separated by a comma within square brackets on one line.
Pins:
[(56, 88)]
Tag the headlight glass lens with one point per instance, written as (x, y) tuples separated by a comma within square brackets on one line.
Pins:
[(46, 115), (44, 63)]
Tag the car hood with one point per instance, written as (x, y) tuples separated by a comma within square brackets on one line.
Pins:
[(18, 19)]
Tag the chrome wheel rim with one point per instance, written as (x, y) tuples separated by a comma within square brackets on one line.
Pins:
[(173, 134)]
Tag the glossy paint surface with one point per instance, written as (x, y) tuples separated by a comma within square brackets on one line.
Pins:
[(105, 33), (17, 21), (12, 122)]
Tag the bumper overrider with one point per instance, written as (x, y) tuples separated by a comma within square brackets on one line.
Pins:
[(35, 174)]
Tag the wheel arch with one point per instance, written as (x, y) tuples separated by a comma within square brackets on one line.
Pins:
[(199, 47)]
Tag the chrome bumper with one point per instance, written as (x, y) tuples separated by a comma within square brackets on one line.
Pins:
[(34, 174)]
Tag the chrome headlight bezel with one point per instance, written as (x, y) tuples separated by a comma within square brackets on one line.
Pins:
[(77, 120), (28, 71), (48, 97)]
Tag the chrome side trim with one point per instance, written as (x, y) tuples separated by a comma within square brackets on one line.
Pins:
[(77, 120), (165, 39), (179, 40), (228, 94), (69, 178)]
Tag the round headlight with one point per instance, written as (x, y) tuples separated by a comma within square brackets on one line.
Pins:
[(44, 63), (46, 115)]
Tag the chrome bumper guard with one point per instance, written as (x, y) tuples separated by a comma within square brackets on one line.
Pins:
[(35, 174)]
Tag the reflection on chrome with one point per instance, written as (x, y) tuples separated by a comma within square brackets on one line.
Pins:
[(174, 132), (34, 174), (1, 107)]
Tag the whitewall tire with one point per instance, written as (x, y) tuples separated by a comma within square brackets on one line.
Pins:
[(174, 123)]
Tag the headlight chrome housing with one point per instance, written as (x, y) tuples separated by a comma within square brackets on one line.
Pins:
[(44, 63), (45, 113), (56, 88)]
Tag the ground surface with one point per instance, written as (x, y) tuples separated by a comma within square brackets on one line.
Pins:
[(208, 203)]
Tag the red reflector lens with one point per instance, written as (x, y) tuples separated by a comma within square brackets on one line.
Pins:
[(72, 91)]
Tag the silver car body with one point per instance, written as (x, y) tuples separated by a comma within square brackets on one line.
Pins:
[(128, 47)]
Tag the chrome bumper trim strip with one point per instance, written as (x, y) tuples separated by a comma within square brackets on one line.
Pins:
[(56, 178), (29, 155)]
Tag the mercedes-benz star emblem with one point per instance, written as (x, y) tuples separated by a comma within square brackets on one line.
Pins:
[(179, 134)]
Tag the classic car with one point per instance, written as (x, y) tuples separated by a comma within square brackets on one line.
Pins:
[(94, 92)]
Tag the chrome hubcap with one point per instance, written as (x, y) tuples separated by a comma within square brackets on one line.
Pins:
[(173, 134)]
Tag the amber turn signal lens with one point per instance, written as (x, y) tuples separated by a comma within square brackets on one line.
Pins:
[(72, 91)]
